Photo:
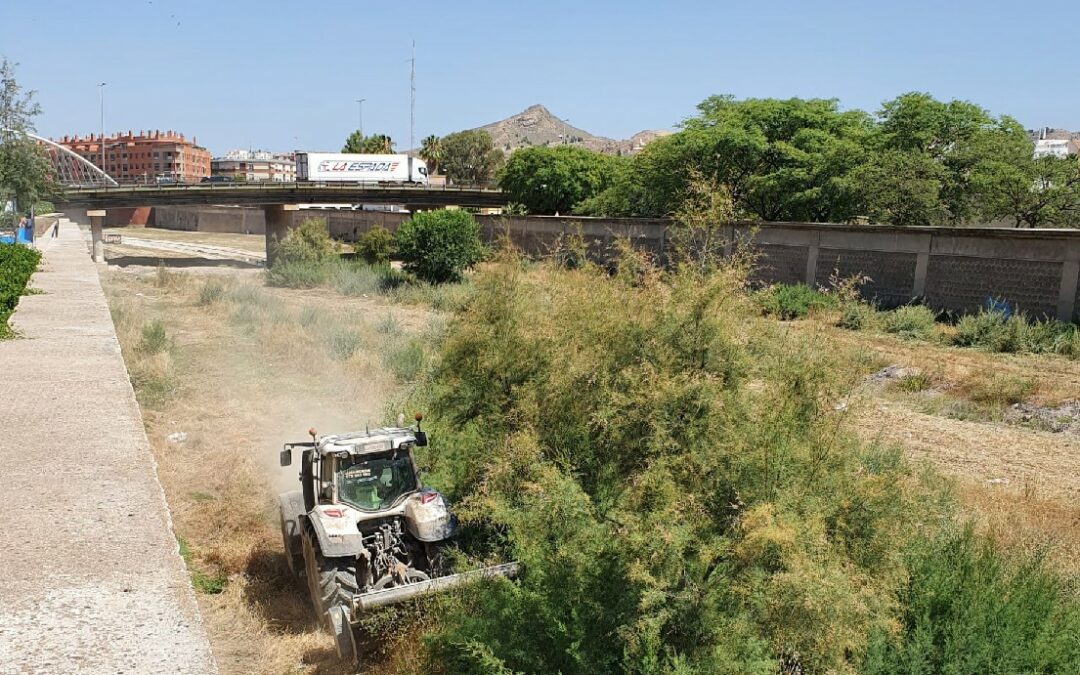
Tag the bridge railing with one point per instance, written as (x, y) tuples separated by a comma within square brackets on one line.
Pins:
[(486, 186)]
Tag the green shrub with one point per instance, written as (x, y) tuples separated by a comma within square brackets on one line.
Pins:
[(311, 315), (303, 259), (915, 382), (441, 297), (248, 294), (670, 473), (407, 361), (913, 322), (350, 278), (154, 338), (376, 246), (793, 301), (211, 292), (993, 331), (966, 609), (309, 243), (388, 325), (343, 342), (858, 316), (298, 273), (154, 385), (17, 264), (437, 246)]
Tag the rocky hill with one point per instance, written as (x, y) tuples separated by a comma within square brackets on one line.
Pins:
[(537, 126)]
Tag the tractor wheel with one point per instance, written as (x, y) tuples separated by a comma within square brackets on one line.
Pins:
[(331, 582)]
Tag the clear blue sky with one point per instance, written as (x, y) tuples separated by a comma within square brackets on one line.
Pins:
[(284, 75)]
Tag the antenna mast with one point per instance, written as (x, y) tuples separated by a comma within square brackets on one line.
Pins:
[(412, 95)]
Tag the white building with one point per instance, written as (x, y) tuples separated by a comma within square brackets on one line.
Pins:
[(1054, 147)]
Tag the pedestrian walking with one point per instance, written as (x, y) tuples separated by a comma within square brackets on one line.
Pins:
[(56, 228)]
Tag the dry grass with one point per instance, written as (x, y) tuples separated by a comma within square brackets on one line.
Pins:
[(1019, 483), (245, 373)]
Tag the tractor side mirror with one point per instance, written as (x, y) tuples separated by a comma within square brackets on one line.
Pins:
[(421, 439), (285, 456)]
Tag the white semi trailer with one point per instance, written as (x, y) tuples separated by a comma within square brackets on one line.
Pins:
[(346, 168)]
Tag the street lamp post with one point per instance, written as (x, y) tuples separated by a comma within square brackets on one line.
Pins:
[(101, 91), (360, 115)]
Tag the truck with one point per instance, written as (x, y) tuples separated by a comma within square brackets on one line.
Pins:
[(353, 168), (363, 530)]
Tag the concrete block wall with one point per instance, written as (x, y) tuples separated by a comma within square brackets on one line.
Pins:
[(955, 269), (238, 219)]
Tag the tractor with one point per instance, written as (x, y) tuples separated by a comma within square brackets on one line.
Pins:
[(362, 530)]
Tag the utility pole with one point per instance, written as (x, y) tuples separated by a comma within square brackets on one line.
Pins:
[(412, 96), (101, 91), (360, 115)]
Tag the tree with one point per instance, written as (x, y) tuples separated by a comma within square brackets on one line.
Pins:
[(782, 159), (550, 180), (437, 246), (376, 144), (26, 174), (902, 188), (470, 156), (958, 136), (431, 152), (1038, 192)]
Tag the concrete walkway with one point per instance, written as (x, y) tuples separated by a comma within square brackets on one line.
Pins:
[(91, 580)]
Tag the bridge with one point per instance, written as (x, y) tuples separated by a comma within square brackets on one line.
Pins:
[(266, 193), (86, 186), (277, 199)]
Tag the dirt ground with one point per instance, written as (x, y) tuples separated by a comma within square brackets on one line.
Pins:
[(1019, 480), (233, 378), (248, 242)]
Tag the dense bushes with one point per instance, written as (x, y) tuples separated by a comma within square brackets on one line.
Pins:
[(994, 331), (376, 246), (304, 258), (437, 246), (17, 263), (669, 517), (914, 322), (796, 301), (968, 610)]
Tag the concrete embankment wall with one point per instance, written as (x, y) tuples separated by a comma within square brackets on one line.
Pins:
[(956, 269), (245, 220), (949, 268)]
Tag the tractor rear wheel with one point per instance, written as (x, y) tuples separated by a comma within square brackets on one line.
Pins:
[(331, 582)]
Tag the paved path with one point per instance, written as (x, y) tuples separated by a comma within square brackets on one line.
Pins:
[(90, 577)]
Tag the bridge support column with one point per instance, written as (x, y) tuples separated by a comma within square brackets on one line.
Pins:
[(97, 222), (279, 220)]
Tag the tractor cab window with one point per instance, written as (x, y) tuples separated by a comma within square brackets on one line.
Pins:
[(375, 483)]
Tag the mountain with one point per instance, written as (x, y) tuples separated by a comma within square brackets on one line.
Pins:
[(537, 126)]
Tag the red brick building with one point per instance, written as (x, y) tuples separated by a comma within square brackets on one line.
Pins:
[(146, 157)]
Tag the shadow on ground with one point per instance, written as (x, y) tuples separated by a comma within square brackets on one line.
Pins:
[(151, 261), (275, 594)]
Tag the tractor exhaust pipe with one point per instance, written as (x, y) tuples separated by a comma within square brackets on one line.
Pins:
[(390, 596)]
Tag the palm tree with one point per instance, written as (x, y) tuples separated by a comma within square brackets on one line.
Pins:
[(431, 152)]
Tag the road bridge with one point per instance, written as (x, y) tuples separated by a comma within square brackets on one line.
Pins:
[(278, 199)]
